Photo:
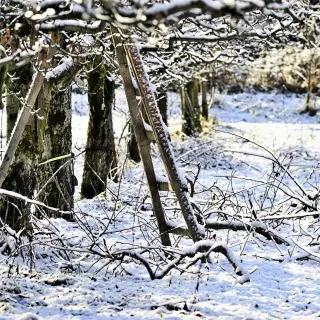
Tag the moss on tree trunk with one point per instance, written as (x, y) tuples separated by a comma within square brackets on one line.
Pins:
[(21, 177), (55, 141), (100, 158)]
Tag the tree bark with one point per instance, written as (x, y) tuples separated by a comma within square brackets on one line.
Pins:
[(163, 105), (21, 174), (205, 111), (187, 118), (133, 149), (24, 115), (100, 158), (192, 91), (308, 107), (109, 98), (55, 135)]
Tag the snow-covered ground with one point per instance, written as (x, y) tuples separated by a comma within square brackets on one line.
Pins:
[(282, 285)]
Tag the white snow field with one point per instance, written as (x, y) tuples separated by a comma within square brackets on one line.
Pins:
[(284, 280)]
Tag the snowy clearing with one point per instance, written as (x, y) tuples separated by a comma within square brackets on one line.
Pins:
[(283, 285)]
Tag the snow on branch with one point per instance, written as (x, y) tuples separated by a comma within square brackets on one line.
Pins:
[(258, 227), (71, 25), (58, 72), (231, 36), (166, 12), (16, 195), (201, 250), (18, 58)]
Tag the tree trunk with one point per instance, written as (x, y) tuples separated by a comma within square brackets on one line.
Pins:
[(132, 145), (21, 175), (187, 119), (109, 88), (56, 141), (100, 156), (163, 105), (309, 107), (205, 112), (192, 91)]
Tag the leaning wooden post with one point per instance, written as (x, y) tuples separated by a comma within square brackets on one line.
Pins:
[(142, 139), (23, 118), (177, 181)]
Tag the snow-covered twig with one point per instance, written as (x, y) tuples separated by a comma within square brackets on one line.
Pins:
[(203, 247), (16, 195)]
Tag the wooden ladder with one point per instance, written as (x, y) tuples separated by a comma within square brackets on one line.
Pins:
[(146, 110)]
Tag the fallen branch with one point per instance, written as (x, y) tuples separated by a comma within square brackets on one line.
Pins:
[(258, 227), (16, 195), (203, 248)]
